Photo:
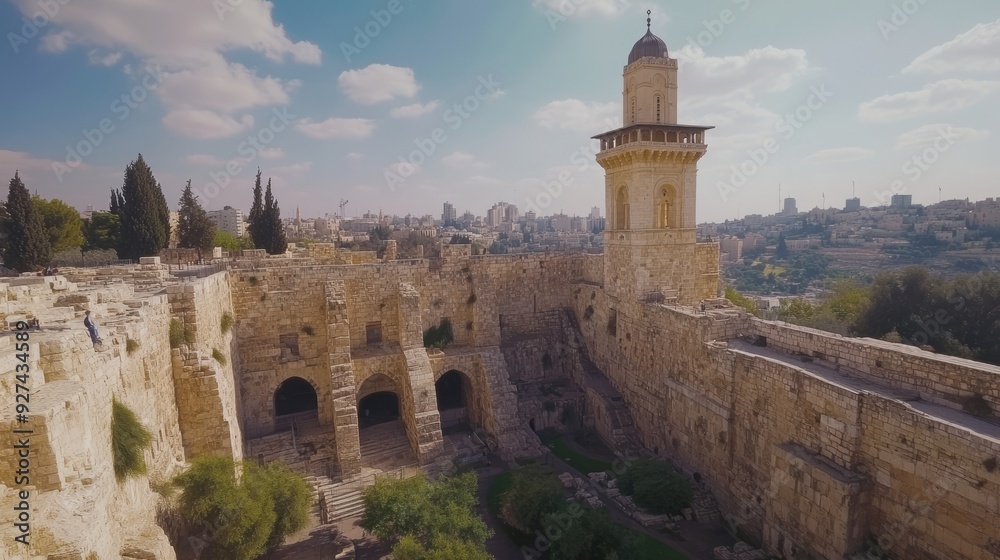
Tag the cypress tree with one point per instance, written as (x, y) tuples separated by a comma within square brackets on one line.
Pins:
[(145, 220), (195, 230), (27, 240), (256, 216), (275, 236)]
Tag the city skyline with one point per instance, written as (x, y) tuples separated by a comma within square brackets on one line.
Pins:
[(332, 98)]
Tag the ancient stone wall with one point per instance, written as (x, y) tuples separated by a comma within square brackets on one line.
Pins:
[(812, 442), (79, 507), (206, 385)]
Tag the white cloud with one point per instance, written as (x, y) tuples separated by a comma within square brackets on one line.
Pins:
[(579, 116), (710, 78), (973, 51), (28, 166), (580, 8), (839, 155), (205, 124), (484, 180), (293, 169), (927, 134), (336, 128), (377, 83), (56, 42), (271, 153), (415, 110), (221, 86), (187, 40), (354, 155), (108, 59), (403, 169), (939, 97), (202, 159), (462, 160)]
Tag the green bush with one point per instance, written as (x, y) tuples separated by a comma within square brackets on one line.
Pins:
[(227, 322), (131, 345), (219, 356), (594, 536), (534, 494), (427, 520), (439, 336), (656, 487), (129, 439), (249, 518)]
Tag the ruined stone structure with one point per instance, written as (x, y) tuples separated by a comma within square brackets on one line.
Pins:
[(810, 441)]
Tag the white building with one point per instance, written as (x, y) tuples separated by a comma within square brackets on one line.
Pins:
[(229, 220)]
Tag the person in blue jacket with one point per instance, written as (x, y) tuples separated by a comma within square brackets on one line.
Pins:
[(91, 328)]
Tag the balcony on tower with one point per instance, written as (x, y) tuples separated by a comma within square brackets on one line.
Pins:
[(655, 137)]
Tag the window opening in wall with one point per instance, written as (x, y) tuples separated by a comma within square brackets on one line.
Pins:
[(657, 108), (373, 333)]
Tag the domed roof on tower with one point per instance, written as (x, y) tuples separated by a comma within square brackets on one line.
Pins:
[(649, 44)]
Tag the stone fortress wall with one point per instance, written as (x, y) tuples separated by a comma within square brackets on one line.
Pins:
[(810, 442)]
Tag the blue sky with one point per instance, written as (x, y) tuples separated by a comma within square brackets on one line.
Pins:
[(504, 96)]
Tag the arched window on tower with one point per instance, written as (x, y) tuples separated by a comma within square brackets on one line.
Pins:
[(665, 208), (621, 208), (657, 108)]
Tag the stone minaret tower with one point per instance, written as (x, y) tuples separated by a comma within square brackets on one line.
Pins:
[(650, 244)]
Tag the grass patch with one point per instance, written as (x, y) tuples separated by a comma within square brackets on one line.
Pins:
[(652, 549), (129, 439), (219, 356), (227, 322), (578, 461), (131, 345), (180, 334)]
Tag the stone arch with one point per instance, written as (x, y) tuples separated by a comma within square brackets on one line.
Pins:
[(456, 398), (666, 207), (621, 208), (295, 395), (379, 401)]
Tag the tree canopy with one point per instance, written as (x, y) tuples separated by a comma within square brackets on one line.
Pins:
[(427, 520), (143, 210), (28, 247), (196, 231), (102, 230), (247, 517), (62, 223)]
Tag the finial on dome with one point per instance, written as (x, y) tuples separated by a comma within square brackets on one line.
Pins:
[(649, 19)]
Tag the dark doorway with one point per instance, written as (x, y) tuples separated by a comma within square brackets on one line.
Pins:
[(451, 390), (377, 408), (531, 424), (295, 395)]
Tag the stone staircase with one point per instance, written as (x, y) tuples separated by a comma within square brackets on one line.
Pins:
[(386, 447), (705, 506)]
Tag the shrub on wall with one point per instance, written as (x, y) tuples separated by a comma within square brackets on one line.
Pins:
[(219, 356), (131, 345), (129, 439), (656, 487), (227, 322), (438, 336), (248, 518), (180, 334)]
